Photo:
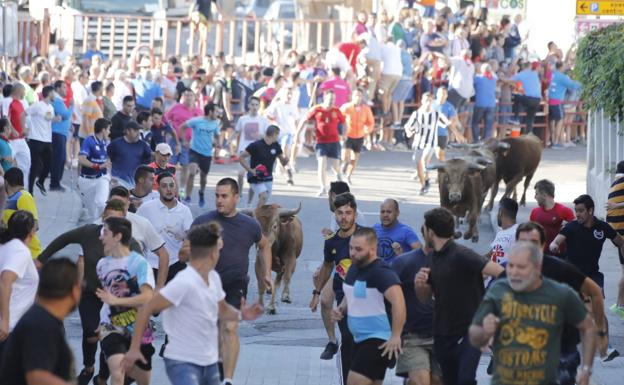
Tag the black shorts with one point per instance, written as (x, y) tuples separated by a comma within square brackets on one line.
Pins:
[(456, 99), (235, 291), (367, 359), (442, 142), (202, 161), (355, 144), (330, 150), (115, 343), (75, 129), (555, 112), (225, 123)]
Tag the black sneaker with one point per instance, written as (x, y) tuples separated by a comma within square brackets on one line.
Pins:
[(611, 354), (84, 377), (330, 350), (41, 188)]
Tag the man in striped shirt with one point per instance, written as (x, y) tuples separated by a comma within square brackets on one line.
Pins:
[(423, 127), (615, 217)]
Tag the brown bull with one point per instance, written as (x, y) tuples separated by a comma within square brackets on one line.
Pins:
[(283, 230), (513, 162), (461, 190)]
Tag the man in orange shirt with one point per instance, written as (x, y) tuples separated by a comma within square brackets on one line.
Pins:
[(360, 122)]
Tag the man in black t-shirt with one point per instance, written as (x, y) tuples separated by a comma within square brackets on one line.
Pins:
[(564, 272), (455, 278), (584, 239), (36, 351), (336, 253), (262, 154)]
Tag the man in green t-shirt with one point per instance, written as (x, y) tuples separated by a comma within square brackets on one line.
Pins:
[(526, 313)]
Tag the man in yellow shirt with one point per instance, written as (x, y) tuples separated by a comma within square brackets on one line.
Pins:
[(360, 122), (20, 199), (91, 110)]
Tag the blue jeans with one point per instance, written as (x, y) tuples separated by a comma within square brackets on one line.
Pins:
[(185, 373), (487, 115), (59, 155)]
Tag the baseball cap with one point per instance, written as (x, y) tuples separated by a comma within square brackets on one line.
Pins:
[(164, 149)]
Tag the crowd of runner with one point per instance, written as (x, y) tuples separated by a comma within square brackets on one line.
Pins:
[(132, 134)]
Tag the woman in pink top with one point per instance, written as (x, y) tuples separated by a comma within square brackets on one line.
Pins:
[(176, 116)]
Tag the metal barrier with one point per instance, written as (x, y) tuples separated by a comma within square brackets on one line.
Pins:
[(605, 148)]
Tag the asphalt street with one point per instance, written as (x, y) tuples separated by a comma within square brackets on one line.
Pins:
[(284, 348)]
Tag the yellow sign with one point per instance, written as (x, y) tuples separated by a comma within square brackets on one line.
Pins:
[(600, 7)]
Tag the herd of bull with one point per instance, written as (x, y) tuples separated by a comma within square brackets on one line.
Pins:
[(464, 181), (466, 177)]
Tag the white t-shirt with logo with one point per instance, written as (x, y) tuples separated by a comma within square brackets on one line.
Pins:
[(41, 114), (191, 323), (502, 243), (251, 128), (15, 256)]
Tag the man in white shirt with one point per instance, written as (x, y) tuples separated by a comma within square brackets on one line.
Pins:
[(59, 53), (191, 305), (286, 116), (41, 115), (391, 72), (80, 92), (461, 79), (171, 219), (506, 237), (250, 128)]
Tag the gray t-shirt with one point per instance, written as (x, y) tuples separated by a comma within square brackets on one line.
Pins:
[(240, 232)]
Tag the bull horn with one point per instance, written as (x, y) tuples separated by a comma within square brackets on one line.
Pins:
[(248, 212), (435, 166), (457, 145), (474, 145), (289, 212), (483, 160), (476, 166), (503, 145)]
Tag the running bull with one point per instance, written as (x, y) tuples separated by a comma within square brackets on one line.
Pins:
[(284, 232), (461, 190)]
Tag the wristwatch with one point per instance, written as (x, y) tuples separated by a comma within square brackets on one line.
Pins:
[(602, 333), (316, 292), (586, 368)]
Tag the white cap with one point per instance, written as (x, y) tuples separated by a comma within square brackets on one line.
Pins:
[(164, 149)]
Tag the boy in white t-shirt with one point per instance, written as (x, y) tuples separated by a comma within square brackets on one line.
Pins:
[(191, 304), (506, 237)]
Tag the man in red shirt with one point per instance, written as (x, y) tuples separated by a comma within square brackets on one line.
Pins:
[(17, 141), (327, 118), (549, 214)]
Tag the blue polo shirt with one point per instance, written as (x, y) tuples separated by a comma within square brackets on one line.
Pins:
[(126, 157), (95, 152), (65, 113), (204, 131), (146, 91), (485, 91), (530, 82), (449, 111), (400, 233)]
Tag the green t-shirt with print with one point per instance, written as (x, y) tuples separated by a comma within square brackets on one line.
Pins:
[(527, 343)]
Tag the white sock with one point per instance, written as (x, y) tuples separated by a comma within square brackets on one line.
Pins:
[(227, 381)]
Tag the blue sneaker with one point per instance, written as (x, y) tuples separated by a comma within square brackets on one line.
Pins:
[(202, 202), (187, 200)]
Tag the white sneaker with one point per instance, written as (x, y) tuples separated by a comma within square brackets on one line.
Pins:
[(322, 192)]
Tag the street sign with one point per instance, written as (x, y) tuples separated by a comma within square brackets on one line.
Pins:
[(600, 7), (583, 26)]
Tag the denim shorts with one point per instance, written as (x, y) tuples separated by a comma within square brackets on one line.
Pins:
[(182, 157), (185, 373)]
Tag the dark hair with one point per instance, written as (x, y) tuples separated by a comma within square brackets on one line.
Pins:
[(142, 116), (7, 90), (142, 172), (14, 177), (585, 200), (441, 221), (163, 176), (253, 98), (115, 205), (229, 182), (4, 123), (47, 90), (527, 227), (110, 86), (620, 167), (119, 191), (19, 226), (345, 199), (203, 238), (131, 125), (57, 278), (336, 71), (156, 111), (208, 108), (508, 207), (272, 130), (58, 84), (158, 99), (128, 98), (366, 232), (100, 125), (339, 187), (120, 226), (545, 186), (96, 86)]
